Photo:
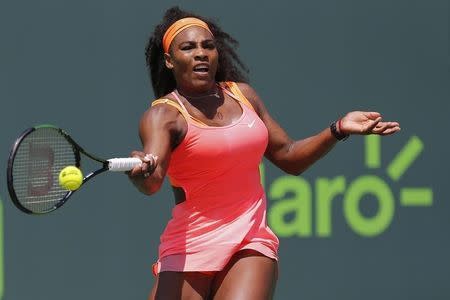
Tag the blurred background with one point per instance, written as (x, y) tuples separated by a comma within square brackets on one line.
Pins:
[(369, 221)]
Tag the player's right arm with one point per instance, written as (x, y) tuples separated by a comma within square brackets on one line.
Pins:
[(161, 129)]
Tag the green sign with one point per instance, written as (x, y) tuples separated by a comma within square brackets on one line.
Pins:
[(294, 196)]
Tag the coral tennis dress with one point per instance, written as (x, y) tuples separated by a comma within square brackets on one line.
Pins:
[(225, 207)]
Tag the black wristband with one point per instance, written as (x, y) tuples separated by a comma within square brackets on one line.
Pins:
[(336, 134)]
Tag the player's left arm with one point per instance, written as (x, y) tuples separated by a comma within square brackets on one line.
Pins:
[(295, 156)]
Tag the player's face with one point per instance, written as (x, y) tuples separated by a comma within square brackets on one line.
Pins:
[(193, 59)]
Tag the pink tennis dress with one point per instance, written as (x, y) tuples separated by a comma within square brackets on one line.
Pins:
[(225, 207)]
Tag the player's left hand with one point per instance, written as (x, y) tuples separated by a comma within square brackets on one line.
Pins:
[(362, 122)]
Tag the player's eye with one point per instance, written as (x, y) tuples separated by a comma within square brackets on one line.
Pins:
[(187, 46), (209, 45)]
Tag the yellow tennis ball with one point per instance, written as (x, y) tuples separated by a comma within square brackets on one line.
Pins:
[(70, 178)]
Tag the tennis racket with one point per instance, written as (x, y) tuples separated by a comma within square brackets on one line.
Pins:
[(35, 161)]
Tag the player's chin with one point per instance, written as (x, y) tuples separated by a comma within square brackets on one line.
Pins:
[(202, 82)]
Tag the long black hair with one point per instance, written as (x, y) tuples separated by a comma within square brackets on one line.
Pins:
[(230, 67)]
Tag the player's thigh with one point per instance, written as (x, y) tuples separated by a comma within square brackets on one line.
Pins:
[(180, 286), (248, 276)]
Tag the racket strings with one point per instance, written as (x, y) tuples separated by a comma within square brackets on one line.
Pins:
[(40, 157)]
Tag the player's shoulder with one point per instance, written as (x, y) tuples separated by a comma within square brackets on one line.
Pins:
[(164, 109), (250, 93), (245, 87), (166, 104)]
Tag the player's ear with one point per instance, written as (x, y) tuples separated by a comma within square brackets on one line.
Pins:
[(168, 61)]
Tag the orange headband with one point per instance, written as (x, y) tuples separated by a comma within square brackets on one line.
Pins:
[(179, 26)]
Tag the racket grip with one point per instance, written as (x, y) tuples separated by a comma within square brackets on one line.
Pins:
[(123, 164)]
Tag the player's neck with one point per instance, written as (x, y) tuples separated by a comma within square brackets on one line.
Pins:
[(212, 92)]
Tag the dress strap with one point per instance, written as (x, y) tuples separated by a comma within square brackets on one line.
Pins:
[(181, 108), (233, 92), (179, 101), (169, 102), (236, 93)]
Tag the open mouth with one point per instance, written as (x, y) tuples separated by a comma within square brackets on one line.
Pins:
[(201, 69)]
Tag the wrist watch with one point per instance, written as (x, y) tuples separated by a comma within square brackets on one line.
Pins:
[(339, 136)]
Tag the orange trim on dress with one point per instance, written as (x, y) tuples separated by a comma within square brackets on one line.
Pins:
[(184, 113), (234, 88), (234, 92)]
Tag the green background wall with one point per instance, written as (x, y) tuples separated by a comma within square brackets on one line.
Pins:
[(80, 65)]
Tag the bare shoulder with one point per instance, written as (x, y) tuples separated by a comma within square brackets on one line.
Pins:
[(250, 93), (247, 90), (162, 115)]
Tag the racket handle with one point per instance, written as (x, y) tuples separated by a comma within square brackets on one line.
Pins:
[(123, 164)]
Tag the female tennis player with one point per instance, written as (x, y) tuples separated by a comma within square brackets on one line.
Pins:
[(208, 131)]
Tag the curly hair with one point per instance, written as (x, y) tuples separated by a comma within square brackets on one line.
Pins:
[(230, 67)]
